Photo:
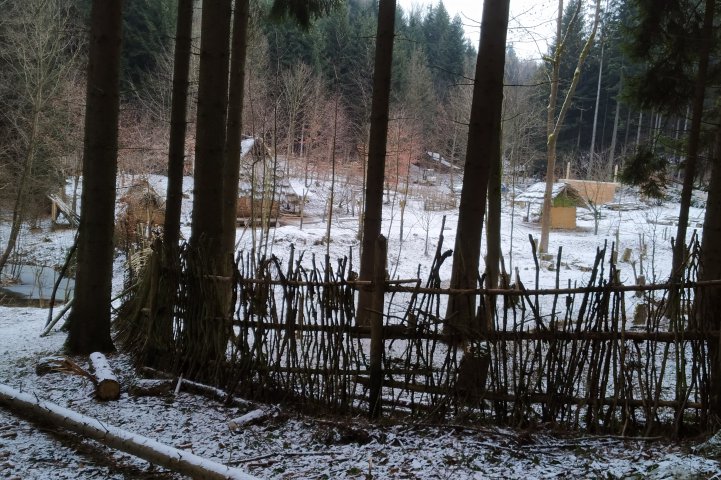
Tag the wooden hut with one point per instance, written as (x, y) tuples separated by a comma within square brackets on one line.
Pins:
[(436, 162), (565, 200)]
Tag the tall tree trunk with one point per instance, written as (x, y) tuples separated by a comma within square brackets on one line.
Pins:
[(90, 317), (679, 251), (231, 168), (207, 331), (638, 129), (483, 149), (178, 126), (551, 139), (493, 234), (331, 198), (373, 211), (161, 298), (207, 220), (614, 135), (709, 298), (558, 123), (598, 101)]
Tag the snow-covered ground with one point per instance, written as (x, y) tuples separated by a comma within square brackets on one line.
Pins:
[(297, 446), (291, 445)]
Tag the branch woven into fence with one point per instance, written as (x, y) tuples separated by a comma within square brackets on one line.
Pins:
[(603, 356), (294, 335)]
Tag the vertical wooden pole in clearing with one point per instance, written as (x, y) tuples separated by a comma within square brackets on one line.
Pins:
[(376, 324)]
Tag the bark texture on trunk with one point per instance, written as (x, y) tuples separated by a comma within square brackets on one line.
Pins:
[(207, 221), (373, 209), (231, 172), (178, 127), (90, 317), (207, 325), (484, 145), (709, 298)]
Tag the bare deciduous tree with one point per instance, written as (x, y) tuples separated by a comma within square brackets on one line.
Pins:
[(553, 122), (295, 92), (39, 63)]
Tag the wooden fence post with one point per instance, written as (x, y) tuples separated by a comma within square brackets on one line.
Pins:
[(376, 324)]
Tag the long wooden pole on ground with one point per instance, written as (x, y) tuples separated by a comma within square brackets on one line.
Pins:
[(154, 452)]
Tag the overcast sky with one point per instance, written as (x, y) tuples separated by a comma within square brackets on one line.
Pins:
[(530, 27)]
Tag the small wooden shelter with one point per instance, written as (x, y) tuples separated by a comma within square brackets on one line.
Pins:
[(565, 200), (262, 190), (437, 162), (59, 206)]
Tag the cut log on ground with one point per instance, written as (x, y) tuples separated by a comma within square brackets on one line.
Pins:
[(107, 386), (154, 452)]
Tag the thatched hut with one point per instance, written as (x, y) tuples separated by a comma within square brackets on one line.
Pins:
[(262, 189), (141, 210)]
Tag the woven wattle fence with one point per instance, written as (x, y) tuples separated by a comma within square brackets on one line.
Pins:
[(601, 356)]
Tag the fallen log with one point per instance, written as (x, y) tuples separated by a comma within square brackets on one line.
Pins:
[(154, 452), (216, 394), (107, 386), (252, 418), (151, 388), (207, 391)]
